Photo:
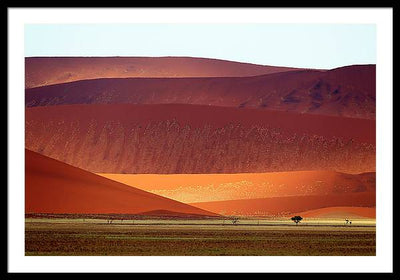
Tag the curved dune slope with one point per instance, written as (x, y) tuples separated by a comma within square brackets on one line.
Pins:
[(42, 71), (55, 187), (347, 91), (282, 206), (181, 139), (190, 188), (341, 212)]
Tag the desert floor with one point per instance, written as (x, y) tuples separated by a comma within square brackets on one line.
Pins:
[(199, 237)]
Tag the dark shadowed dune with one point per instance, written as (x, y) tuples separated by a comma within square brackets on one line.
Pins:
[(165, 139), (347, 91)]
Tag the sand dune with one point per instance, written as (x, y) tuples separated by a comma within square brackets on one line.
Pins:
[(55, 187), (182, 139), (341, 212), (191, 188), (42, 71), (347, 91), (283, 206), (212, 127)]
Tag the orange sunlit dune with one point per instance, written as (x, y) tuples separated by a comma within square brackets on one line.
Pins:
[(55, 187), (283, 206), (341, 212), (190, 188)]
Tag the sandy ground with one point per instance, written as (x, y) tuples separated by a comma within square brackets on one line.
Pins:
[(198, 238)]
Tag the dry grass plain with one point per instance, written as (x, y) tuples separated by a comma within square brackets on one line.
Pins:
[(211, 237)]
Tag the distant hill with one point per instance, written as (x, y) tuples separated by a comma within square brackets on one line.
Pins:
[(347, 91), (42, 71), (341, 212), (168, 139)]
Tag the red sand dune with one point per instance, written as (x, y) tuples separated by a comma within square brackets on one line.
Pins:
[(282, 206), (341, 212), (347, 91), (42, 71), (55, 187), (174, 139), (190, 188)]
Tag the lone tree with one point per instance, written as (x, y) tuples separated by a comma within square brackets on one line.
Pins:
[(235, 220), (296, 219)]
